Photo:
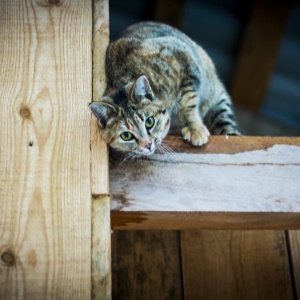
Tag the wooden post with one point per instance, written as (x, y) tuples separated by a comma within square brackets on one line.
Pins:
[(258, 53), (45, 187), (101, 243)]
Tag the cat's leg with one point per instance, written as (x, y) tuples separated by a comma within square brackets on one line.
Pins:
[(193, 129), (220, 118)]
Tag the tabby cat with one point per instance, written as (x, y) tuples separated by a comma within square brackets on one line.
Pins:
[(155, 72)]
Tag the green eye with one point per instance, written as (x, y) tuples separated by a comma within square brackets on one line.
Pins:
[(149, 122), (126, 136)]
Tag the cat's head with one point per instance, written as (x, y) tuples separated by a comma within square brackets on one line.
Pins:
[(132, 118)]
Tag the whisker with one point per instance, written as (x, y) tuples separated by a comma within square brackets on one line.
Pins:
[(168, 152)]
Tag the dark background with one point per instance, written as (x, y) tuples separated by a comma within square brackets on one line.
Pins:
[(220, 28)]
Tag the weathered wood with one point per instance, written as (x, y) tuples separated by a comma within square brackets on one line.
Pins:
[(45, 205), (235, 265), (294, 247), (258, 52), (146, 265), (99, 151), (101, 242), (101, 248), (249, 189)]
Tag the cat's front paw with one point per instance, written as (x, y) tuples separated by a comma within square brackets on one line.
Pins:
[(196, 137)]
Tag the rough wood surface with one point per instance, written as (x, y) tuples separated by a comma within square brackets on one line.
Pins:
[(45, 200), (101, 248), (256, 187), (101, 241), (99, 150), (146, 265), (258, 52), (235, 265), (294, 247)]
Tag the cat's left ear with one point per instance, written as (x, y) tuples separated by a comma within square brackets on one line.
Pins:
[(102, 111), (142, 91)]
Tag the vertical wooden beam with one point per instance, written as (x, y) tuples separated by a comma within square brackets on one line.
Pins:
[(101, 244), (45, 207), (294, 247), (146, 265), (258, 52), (235, 265)]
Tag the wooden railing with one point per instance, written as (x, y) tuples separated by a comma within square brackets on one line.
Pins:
[(230, 183)]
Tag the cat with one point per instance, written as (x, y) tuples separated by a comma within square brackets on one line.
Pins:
[(155, 73)]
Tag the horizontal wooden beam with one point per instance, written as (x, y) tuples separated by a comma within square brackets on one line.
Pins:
[(230, 183)]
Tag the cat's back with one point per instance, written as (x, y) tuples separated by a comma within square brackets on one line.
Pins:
[(150, 30), (151, 49)]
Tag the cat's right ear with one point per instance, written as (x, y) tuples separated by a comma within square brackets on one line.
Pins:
[(102, 111)]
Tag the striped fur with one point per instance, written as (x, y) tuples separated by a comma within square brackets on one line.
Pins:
[(154, 70)]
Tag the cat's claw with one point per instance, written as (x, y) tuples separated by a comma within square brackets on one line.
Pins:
[(196, 137)]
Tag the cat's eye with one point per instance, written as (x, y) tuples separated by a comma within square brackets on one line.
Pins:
[(127, 136), (150, 123)]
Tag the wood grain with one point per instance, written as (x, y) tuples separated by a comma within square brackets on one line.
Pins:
[(101, 248), (200, 187), (235, 265), (45, 207), (146, 265), (101, 241), (294, 247), (99, 150), (258, 52)]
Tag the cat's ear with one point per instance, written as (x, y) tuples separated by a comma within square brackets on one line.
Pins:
[(102, 111), (142, 91)]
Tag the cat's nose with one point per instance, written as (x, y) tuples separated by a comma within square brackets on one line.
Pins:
[(148, 146)]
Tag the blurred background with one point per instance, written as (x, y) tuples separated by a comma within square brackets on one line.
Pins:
[(255, 46)]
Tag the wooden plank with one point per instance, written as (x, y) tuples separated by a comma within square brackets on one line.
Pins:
[(101, 241), (99, 150), (235, 265), (294, 247), (253, 188), (146, 265), (101, 248), (45, 207), (258, 52)]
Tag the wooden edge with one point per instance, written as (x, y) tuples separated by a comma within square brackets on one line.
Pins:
[(101, 236), (99, 149), (99, 162), (121, 220), (101, 248), (294, 249), (229, 144)]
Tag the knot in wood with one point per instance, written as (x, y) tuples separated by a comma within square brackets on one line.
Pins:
[(55, 2), (8, 258), (24, 112)]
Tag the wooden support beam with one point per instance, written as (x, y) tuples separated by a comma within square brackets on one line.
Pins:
[(235, 264), (146, 265), (230, 183), (101, 242), (293, 240), (258, 52), (45, 189)]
